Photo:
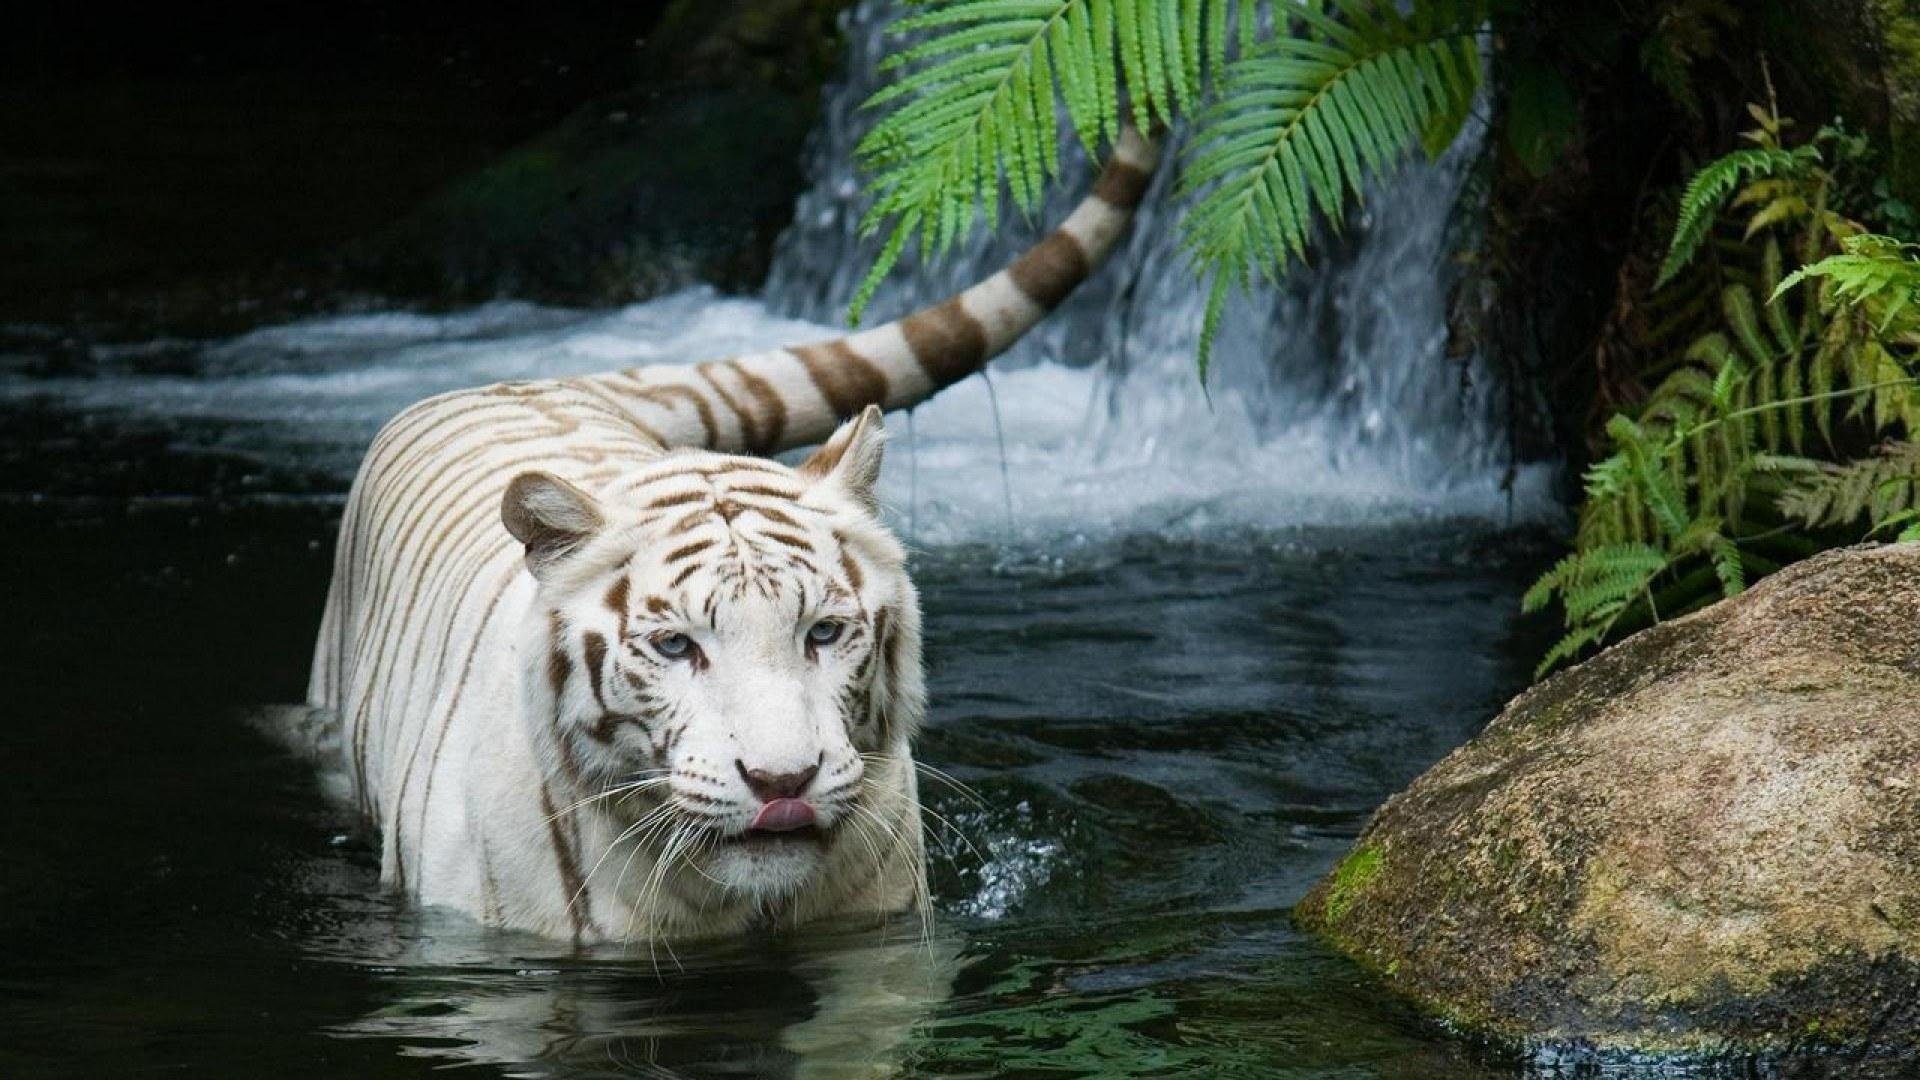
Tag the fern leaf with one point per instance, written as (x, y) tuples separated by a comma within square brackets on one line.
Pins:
[(1879, 488), (984, 100), (1708, 190), (1301, 122), (1569, 647)]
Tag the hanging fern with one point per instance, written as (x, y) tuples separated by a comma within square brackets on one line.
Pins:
[(980, 102), (1301, 123), (1292, 127)]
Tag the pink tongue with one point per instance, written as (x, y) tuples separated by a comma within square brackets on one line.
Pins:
[(783, 815)]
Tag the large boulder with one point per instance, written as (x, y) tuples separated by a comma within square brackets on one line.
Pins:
[(1703, 840)]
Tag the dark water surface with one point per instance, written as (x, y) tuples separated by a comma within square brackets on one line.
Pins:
[(1170, 742)]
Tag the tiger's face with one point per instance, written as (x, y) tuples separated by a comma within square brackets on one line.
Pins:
[(728, 648)]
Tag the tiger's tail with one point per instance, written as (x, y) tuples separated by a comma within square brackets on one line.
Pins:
[(771, 401)]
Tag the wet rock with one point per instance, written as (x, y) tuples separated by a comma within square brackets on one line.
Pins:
[(1704, 840), (687, 177)]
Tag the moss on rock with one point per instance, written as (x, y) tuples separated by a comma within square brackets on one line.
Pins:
[(1703, 840)]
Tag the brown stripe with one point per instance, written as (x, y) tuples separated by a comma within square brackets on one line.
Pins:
[(688, 550), (691, 569), (850, 382), (773, 410), (559, 665), (690, 522), (680, 499), (949, 343), (594, 649), (617, 596), (744, 464), (569, 869), (608, 723), (658, 605), (788, 539), (775, 515), (1050, 269), (892, 663), (1121, 185), (749, 427), (666, 395), (760, 489), (851, 567)]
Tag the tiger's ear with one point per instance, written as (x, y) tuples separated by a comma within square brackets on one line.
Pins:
[(552, 517), (851, 457)]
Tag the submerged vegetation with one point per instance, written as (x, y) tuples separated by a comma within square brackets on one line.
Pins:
[(1753, 388)]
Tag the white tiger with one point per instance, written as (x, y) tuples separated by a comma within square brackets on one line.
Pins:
[(683, 704)]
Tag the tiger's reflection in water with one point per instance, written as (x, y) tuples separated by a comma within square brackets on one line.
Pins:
[(811, 1005)]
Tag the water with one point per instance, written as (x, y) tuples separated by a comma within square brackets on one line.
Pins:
[(1196, 729), (1179, 649)]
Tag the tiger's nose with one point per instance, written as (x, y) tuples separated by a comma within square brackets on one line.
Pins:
[(769, 786)]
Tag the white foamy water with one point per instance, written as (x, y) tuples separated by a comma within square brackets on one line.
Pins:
[(1086, 453)]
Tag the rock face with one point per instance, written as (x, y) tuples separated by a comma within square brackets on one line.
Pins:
[(1864, 55), (687, 177), (1704, 840)]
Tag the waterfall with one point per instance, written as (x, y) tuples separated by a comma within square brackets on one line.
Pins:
[(1332, 399), (1346, 363)]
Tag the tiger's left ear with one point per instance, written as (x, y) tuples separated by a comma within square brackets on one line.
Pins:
[(851, 457), (550, 516)]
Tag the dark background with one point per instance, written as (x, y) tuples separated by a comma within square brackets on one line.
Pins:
[(150, 153)]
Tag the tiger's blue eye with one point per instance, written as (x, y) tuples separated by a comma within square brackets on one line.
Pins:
[(824, 632), (673, 646)]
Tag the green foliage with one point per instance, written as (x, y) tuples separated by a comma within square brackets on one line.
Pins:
[(1700, 204), (1735, 462), (978, 102), (1871, 271), (1290, 127), (1301, 122)]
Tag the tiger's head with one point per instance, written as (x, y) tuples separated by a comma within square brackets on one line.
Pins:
[(726, 656)]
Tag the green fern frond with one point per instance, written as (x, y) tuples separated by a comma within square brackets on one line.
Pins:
[(1596, 586), (1300, 124), (1871, 271), (1910, 534), (1711, 187), (978, 104)]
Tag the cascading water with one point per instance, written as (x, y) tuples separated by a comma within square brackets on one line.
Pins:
[(1335, 386)]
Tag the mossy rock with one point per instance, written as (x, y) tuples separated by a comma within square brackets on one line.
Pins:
[(1705, 840)]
